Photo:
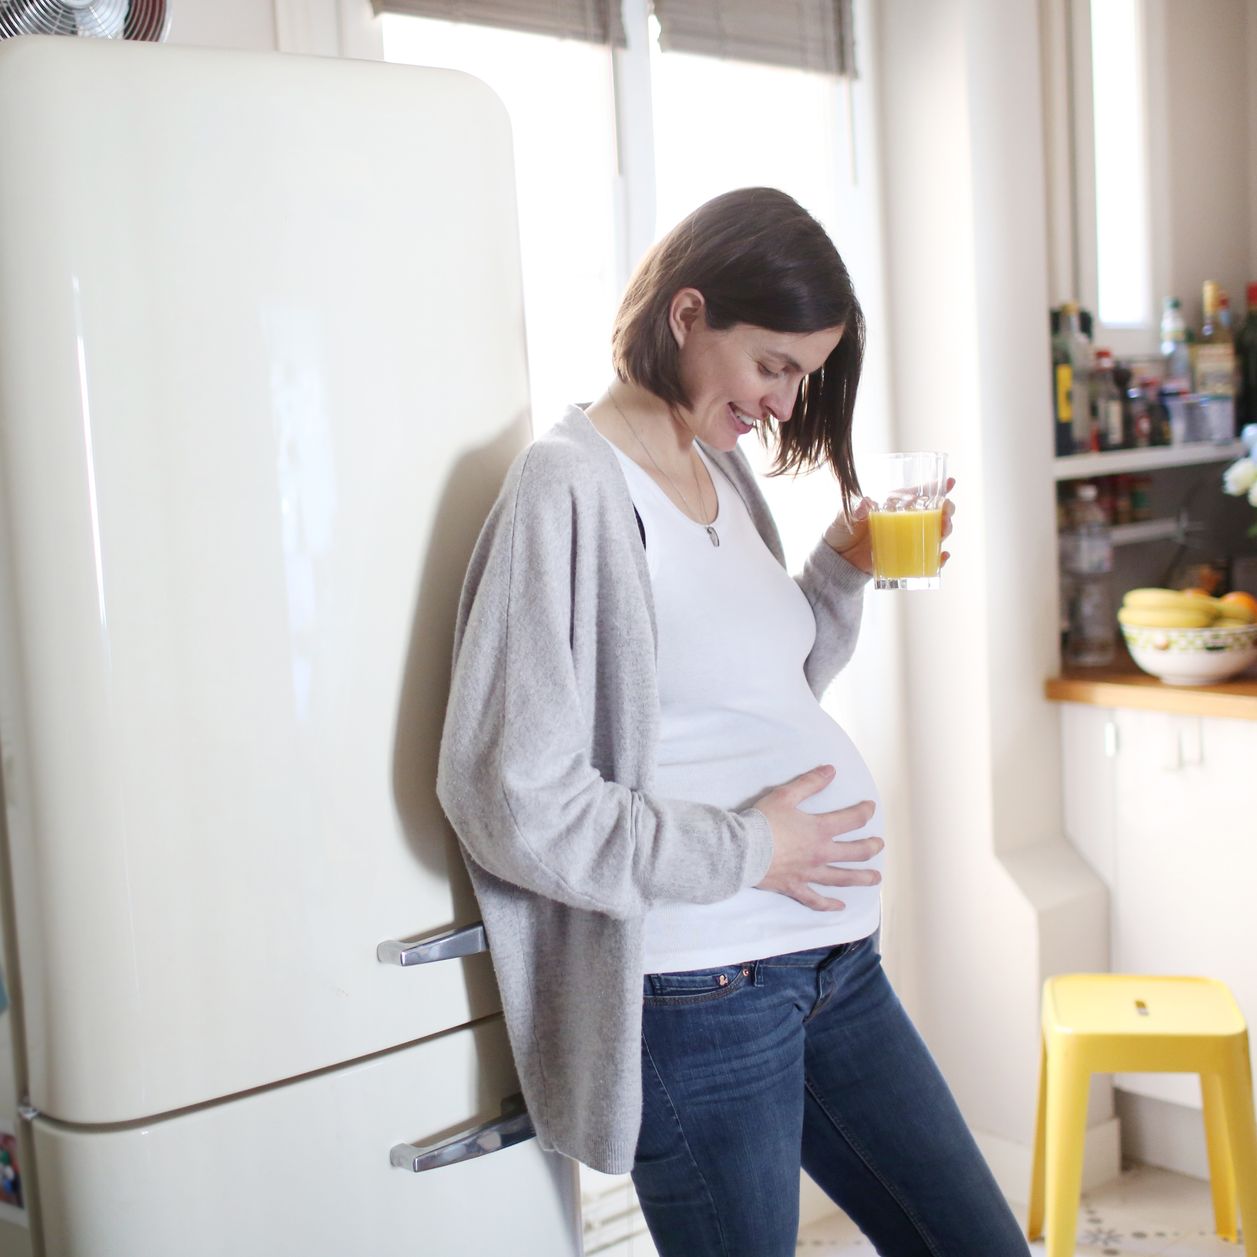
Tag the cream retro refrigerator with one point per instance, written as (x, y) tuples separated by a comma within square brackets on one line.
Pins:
[(261, 372)]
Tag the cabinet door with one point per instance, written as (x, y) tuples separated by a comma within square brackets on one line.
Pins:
[(1186, 861)]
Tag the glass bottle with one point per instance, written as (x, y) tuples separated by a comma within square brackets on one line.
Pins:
[(1177, 368), (1086, 553), (1246, 363)]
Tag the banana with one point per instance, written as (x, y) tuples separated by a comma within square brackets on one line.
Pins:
[(1232, 617), (1161, 598), (1180, 616)]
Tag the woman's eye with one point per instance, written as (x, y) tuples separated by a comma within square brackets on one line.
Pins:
[(768, 371)]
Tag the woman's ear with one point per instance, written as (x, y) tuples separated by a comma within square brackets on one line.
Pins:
[(683, 312)]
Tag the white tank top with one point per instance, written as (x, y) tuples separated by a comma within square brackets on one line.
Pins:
[(737, 718)]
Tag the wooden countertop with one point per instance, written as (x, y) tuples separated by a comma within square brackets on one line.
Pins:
[(1123, 685)]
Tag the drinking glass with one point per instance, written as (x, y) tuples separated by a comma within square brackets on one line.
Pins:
[(906, 520)]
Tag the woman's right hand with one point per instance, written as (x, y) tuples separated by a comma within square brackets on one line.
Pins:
[(804, 842)]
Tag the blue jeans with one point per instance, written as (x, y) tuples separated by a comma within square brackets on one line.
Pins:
[(749, 1071)]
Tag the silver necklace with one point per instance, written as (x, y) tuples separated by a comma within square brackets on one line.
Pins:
[(712, 534)]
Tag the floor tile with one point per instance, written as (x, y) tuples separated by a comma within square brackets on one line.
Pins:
[(1145, 1211)]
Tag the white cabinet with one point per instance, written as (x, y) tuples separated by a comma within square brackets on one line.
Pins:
[(1164, 808)]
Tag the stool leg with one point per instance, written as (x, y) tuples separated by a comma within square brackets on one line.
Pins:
[(1221, 1164), (1034, 1218), (1067, 1089), (1236, 1084)]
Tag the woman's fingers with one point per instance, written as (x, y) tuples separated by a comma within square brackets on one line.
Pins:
[(851, 850), (806, 784), (839, 876), (844, 820)]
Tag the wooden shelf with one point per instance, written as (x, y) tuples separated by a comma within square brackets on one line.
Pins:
[(1155, 458), (1123, 685)]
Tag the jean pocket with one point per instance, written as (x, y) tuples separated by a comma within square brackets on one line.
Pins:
[(695, 986)]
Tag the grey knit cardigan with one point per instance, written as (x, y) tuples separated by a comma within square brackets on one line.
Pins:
[(545, 773)]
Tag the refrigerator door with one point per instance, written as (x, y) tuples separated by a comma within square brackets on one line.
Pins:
[(304, 1169), (261, 372)]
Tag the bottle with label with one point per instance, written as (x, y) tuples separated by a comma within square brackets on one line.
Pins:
[(1176, 359), (1062, 388), (1106, 404), (1213, 354), (1246, 363), (1139, 411), (1072, 364), (1086, 551)]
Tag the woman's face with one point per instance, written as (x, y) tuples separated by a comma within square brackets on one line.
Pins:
[(743, 372)]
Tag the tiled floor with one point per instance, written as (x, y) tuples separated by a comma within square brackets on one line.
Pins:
[(1145, 1211)]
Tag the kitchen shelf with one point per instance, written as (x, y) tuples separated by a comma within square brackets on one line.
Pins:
[(1115, 462), (1148, 530), (1122, 685)]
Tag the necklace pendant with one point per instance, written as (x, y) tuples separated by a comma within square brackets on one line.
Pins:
[(712, 534)]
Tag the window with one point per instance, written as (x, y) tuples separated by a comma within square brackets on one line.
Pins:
[(559, 97), (713, 125), (1123, 282)]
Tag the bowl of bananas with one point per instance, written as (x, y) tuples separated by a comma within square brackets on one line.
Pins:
[(1187, 637)]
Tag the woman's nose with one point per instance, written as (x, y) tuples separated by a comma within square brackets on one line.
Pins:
[(781, 400)]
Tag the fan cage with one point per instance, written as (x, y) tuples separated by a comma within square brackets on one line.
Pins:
[(100, 19)]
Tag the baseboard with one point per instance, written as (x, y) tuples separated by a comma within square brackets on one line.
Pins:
[(1011, 1162), (1158, 1132)]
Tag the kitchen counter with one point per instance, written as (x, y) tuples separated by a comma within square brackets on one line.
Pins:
[(1123, 685)]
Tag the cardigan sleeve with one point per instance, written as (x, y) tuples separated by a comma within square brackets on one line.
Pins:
[(515, 774), (835, 589)]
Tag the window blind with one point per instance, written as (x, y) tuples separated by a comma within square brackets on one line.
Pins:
[(597, 21), (804, 34)]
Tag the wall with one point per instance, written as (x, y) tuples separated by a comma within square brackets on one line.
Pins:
[(1001, 899), (246, 24), (1199, 53)]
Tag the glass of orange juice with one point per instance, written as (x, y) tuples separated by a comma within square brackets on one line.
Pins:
[(906, 519)]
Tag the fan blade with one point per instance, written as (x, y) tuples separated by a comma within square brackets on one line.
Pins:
[(99, 19)]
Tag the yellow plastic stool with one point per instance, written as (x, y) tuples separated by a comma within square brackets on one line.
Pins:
[(1113, 1022)]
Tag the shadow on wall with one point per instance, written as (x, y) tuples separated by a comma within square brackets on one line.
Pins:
[(465, 500)]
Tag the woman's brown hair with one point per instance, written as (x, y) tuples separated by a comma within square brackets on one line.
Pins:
[(758, 257)]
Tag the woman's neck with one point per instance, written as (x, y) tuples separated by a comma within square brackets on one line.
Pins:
[(645, 427)]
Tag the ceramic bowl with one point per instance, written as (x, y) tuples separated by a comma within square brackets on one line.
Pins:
[(1199, 656)]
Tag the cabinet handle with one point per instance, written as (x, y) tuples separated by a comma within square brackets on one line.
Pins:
[(513, 1127), (466, 941)]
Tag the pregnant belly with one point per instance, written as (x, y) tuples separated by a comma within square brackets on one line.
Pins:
[(757, 754)]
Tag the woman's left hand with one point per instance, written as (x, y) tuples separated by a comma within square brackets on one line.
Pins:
[(849, 534)]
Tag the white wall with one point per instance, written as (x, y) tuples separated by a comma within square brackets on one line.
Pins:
[(247, 24), (1200, 57), (1001, 899)]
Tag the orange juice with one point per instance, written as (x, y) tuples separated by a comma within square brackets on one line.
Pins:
[(906, 543)]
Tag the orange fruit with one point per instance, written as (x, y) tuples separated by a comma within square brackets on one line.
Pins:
[(1238, 600), (1197, 592)]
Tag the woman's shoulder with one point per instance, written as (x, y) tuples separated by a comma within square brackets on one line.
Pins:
[(571, 457)]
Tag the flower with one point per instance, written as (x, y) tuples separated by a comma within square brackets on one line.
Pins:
[(1240, 477), (1240, 480)]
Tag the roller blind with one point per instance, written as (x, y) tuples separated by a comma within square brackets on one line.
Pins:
[(597, 21), (804, 34)]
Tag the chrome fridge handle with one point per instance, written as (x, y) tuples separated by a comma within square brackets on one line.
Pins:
[(513, 1127), (466, 941)]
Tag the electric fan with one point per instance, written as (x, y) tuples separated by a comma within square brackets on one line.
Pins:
[(101, 19)]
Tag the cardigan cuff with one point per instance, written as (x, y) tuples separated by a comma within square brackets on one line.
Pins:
[(837, 570), (759, 846)]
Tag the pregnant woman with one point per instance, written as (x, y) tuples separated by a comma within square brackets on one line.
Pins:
[(674, 847)]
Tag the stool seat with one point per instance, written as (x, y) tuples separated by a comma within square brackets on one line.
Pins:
[(1133, 1023), (1129, 1004)]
